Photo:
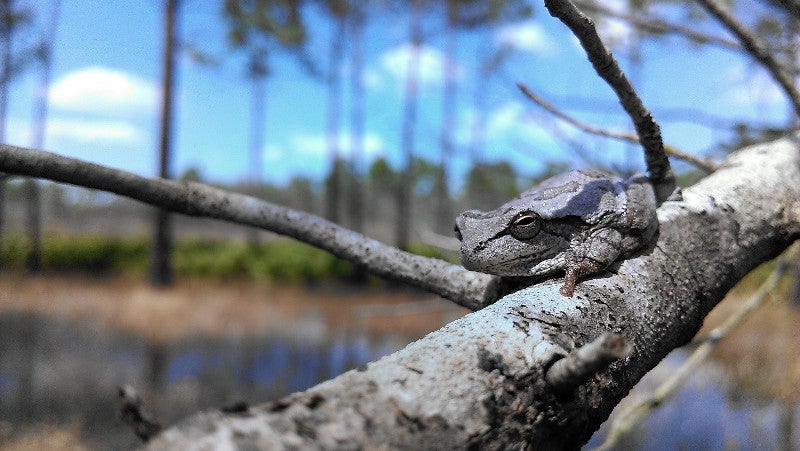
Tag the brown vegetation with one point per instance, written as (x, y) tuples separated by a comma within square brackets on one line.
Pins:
[(763, 354), (221, 306)]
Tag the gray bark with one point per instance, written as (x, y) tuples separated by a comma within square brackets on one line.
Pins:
[(480, 381)]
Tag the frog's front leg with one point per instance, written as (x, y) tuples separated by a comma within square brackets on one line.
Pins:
[(589, 256)]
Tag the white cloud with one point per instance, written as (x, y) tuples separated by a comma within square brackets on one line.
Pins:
[(615, 32), (747, 87), (104, 91), (430, 66), (372, 79), (512, 119), (95, 131), (316, 145), (527, 37)]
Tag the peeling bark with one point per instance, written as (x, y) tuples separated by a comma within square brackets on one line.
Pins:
[(479, 381)]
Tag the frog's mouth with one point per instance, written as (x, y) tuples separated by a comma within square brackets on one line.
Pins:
[(514, 266)]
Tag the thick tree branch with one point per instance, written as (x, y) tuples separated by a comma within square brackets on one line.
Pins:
[(706, 165), (649, 132), (756, 48), (479, 382), (466, 288)]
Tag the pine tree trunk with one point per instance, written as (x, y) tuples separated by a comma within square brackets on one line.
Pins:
[(5, 79), (444, 215), (333, 188), (356, 202), (404, 186), (40, 106), (161, 273), (256, 144)]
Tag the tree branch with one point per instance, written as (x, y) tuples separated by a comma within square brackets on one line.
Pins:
[(479, 382), (657, 26), (579, 366), (135, 414), (706, 165), (635, 414), (756, 48), (649, 132), (466, 288)]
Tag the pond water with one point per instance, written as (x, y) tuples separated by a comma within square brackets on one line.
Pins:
[(65, 371)]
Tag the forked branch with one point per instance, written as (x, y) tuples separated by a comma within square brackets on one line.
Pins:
[(649, 132), (657, 26), (702, 163), (756, 48)]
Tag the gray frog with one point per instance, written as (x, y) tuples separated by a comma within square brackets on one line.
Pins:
[(579, 222)]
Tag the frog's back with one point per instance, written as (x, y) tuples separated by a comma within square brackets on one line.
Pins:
[(588, 194)]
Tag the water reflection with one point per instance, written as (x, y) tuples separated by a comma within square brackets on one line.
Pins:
[(65, 372), (703, 415), (59, 371)]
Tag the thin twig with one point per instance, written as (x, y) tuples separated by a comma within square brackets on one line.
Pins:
[(134, 413), (581, 364), (634, 415), (466, 288), (649, 132), (657, 26), (702, 163), (792, 6), (756, 48)]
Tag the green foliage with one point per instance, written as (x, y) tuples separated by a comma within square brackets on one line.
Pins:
[(489, 185), (432, 252), (95, 254), (279, 259)]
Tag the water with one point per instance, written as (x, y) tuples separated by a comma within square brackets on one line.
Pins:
[(66, 372), (707, 413)]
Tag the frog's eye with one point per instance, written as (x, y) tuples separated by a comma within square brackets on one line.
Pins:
[(525, 225)]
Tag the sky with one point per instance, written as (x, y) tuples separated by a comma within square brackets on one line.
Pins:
[(104, 97)]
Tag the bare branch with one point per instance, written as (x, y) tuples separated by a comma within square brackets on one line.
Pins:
[(756, 48), (581, 364), (702, 163), (791, 6), (649, 132), (135, 414), (466, 288), (635, 414), (657, 26)]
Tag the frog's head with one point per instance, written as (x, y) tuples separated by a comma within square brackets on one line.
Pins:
[(508, 241), (537, 226)]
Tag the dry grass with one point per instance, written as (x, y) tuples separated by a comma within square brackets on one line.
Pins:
[(763, 354), (212, 307), (46, 438)]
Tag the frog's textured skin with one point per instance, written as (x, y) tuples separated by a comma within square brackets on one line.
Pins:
[(578, 222)]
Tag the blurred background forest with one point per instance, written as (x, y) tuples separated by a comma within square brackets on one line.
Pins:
[(388, 117)]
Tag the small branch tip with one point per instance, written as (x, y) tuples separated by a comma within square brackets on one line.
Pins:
[(134, 414), (581, 364)]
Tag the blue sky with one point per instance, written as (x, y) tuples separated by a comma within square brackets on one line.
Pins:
[(104, 95)]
